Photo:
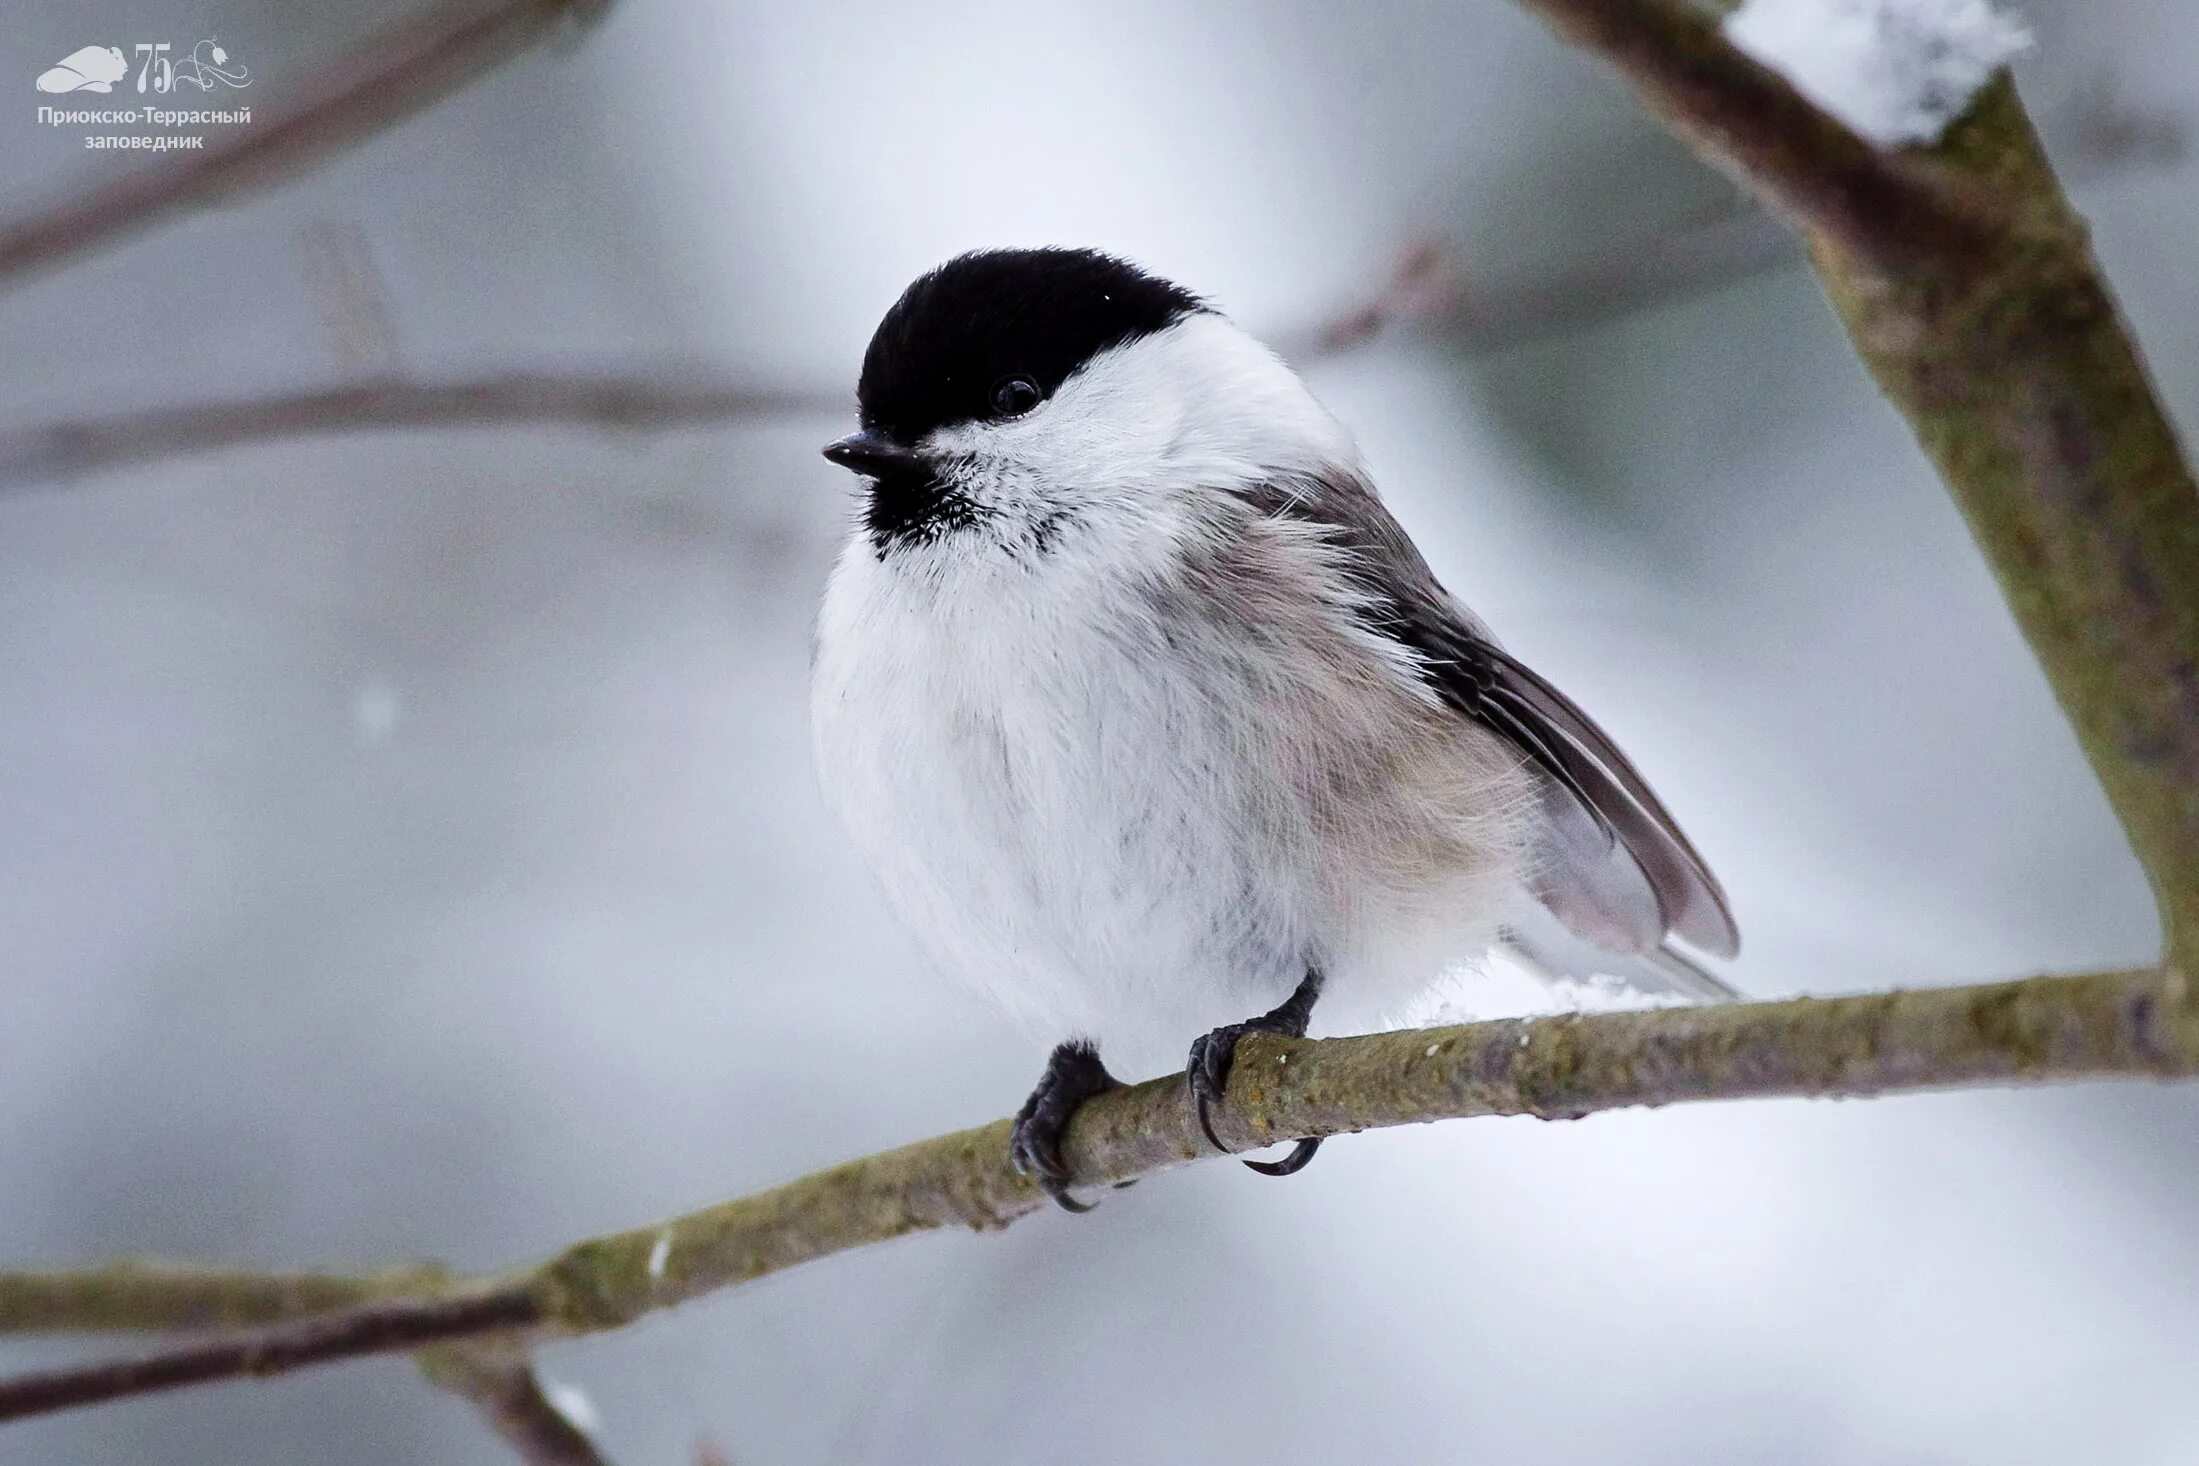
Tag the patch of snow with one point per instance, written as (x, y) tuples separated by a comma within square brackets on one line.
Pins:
[(1609, 995), (1897, 71), (1505, 988), (572, 1403)]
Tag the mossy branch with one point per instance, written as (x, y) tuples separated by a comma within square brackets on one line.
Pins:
[(2128, 1024), (1969, 288), (2021, 380)]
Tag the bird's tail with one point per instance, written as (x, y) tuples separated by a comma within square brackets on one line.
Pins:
[(1549, 951)]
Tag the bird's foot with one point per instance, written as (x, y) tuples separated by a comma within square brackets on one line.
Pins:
[(1073, 1075), (1213, 1055)]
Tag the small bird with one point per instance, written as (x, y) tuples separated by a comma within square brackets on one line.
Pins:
[(1148, 715)]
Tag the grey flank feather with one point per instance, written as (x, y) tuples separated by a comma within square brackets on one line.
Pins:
[(1613, 865)]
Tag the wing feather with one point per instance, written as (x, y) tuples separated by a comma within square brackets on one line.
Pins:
[(1628, 854), (1495, 688)]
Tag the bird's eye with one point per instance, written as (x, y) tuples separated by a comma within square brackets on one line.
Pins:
[(1014, 396)]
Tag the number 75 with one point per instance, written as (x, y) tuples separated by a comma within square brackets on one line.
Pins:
[(157, 65)]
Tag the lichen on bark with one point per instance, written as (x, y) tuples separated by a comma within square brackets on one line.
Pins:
[(2025, 386)]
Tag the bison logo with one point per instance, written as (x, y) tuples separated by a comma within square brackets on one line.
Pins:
[(93, 69)]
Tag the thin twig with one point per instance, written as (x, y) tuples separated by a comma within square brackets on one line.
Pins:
[(356, 316), (503, 1386), (1427, 294), (1726, 245), (166, 1297), (57, 452), (396, 73), (376, 1328), (2111, 1024)]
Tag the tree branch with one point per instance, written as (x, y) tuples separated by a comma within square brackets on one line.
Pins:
[(1427, 293), (504, 1388), (398, 72), (131, 1296), (2110, 1024), (1896, 209), (57, 452), (1992, 330), (2104, 136), (372, 1328), (154, 1296)]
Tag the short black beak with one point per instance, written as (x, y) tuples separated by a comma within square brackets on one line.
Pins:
[(869, 453)]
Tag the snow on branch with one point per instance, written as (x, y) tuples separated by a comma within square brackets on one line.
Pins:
[(1897, 71)]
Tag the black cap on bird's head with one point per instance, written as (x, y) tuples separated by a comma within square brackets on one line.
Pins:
[(991, 335)]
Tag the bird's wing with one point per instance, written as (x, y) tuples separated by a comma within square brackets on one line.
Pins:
[(1608, 838), (1614, 866), (1554, 952)]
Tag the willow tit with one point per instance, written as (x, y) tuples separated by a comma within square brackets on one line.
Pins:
[(1148, 715)]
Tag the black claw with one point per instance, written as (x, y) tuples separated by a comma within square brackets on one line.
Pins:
[(1073, 1075), (1207, 1125), (1207, 1071), (1059, 1191), (1212, 1056), (1291, 1164)]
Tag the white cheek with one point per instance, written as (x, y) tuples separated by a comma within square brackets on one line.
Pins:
[(1090, 440), (1198, 405)]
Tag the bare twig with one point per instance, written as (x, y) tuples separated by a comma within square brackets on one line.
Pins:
[(340, 272), (1422, 287), (373, 1328), (504, 1387), (1427, 294), (1717, 249), (1430, 294), (56, 452), (2128, 1024), (1731, 244), (172, 1298), (395, 74)]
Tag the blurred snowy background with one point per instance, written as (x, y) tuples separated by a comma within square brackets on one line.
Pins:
[(408, 847)]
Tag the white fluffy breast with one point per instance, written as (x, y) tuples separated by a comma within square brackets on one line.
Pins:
[(1132, 782)]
